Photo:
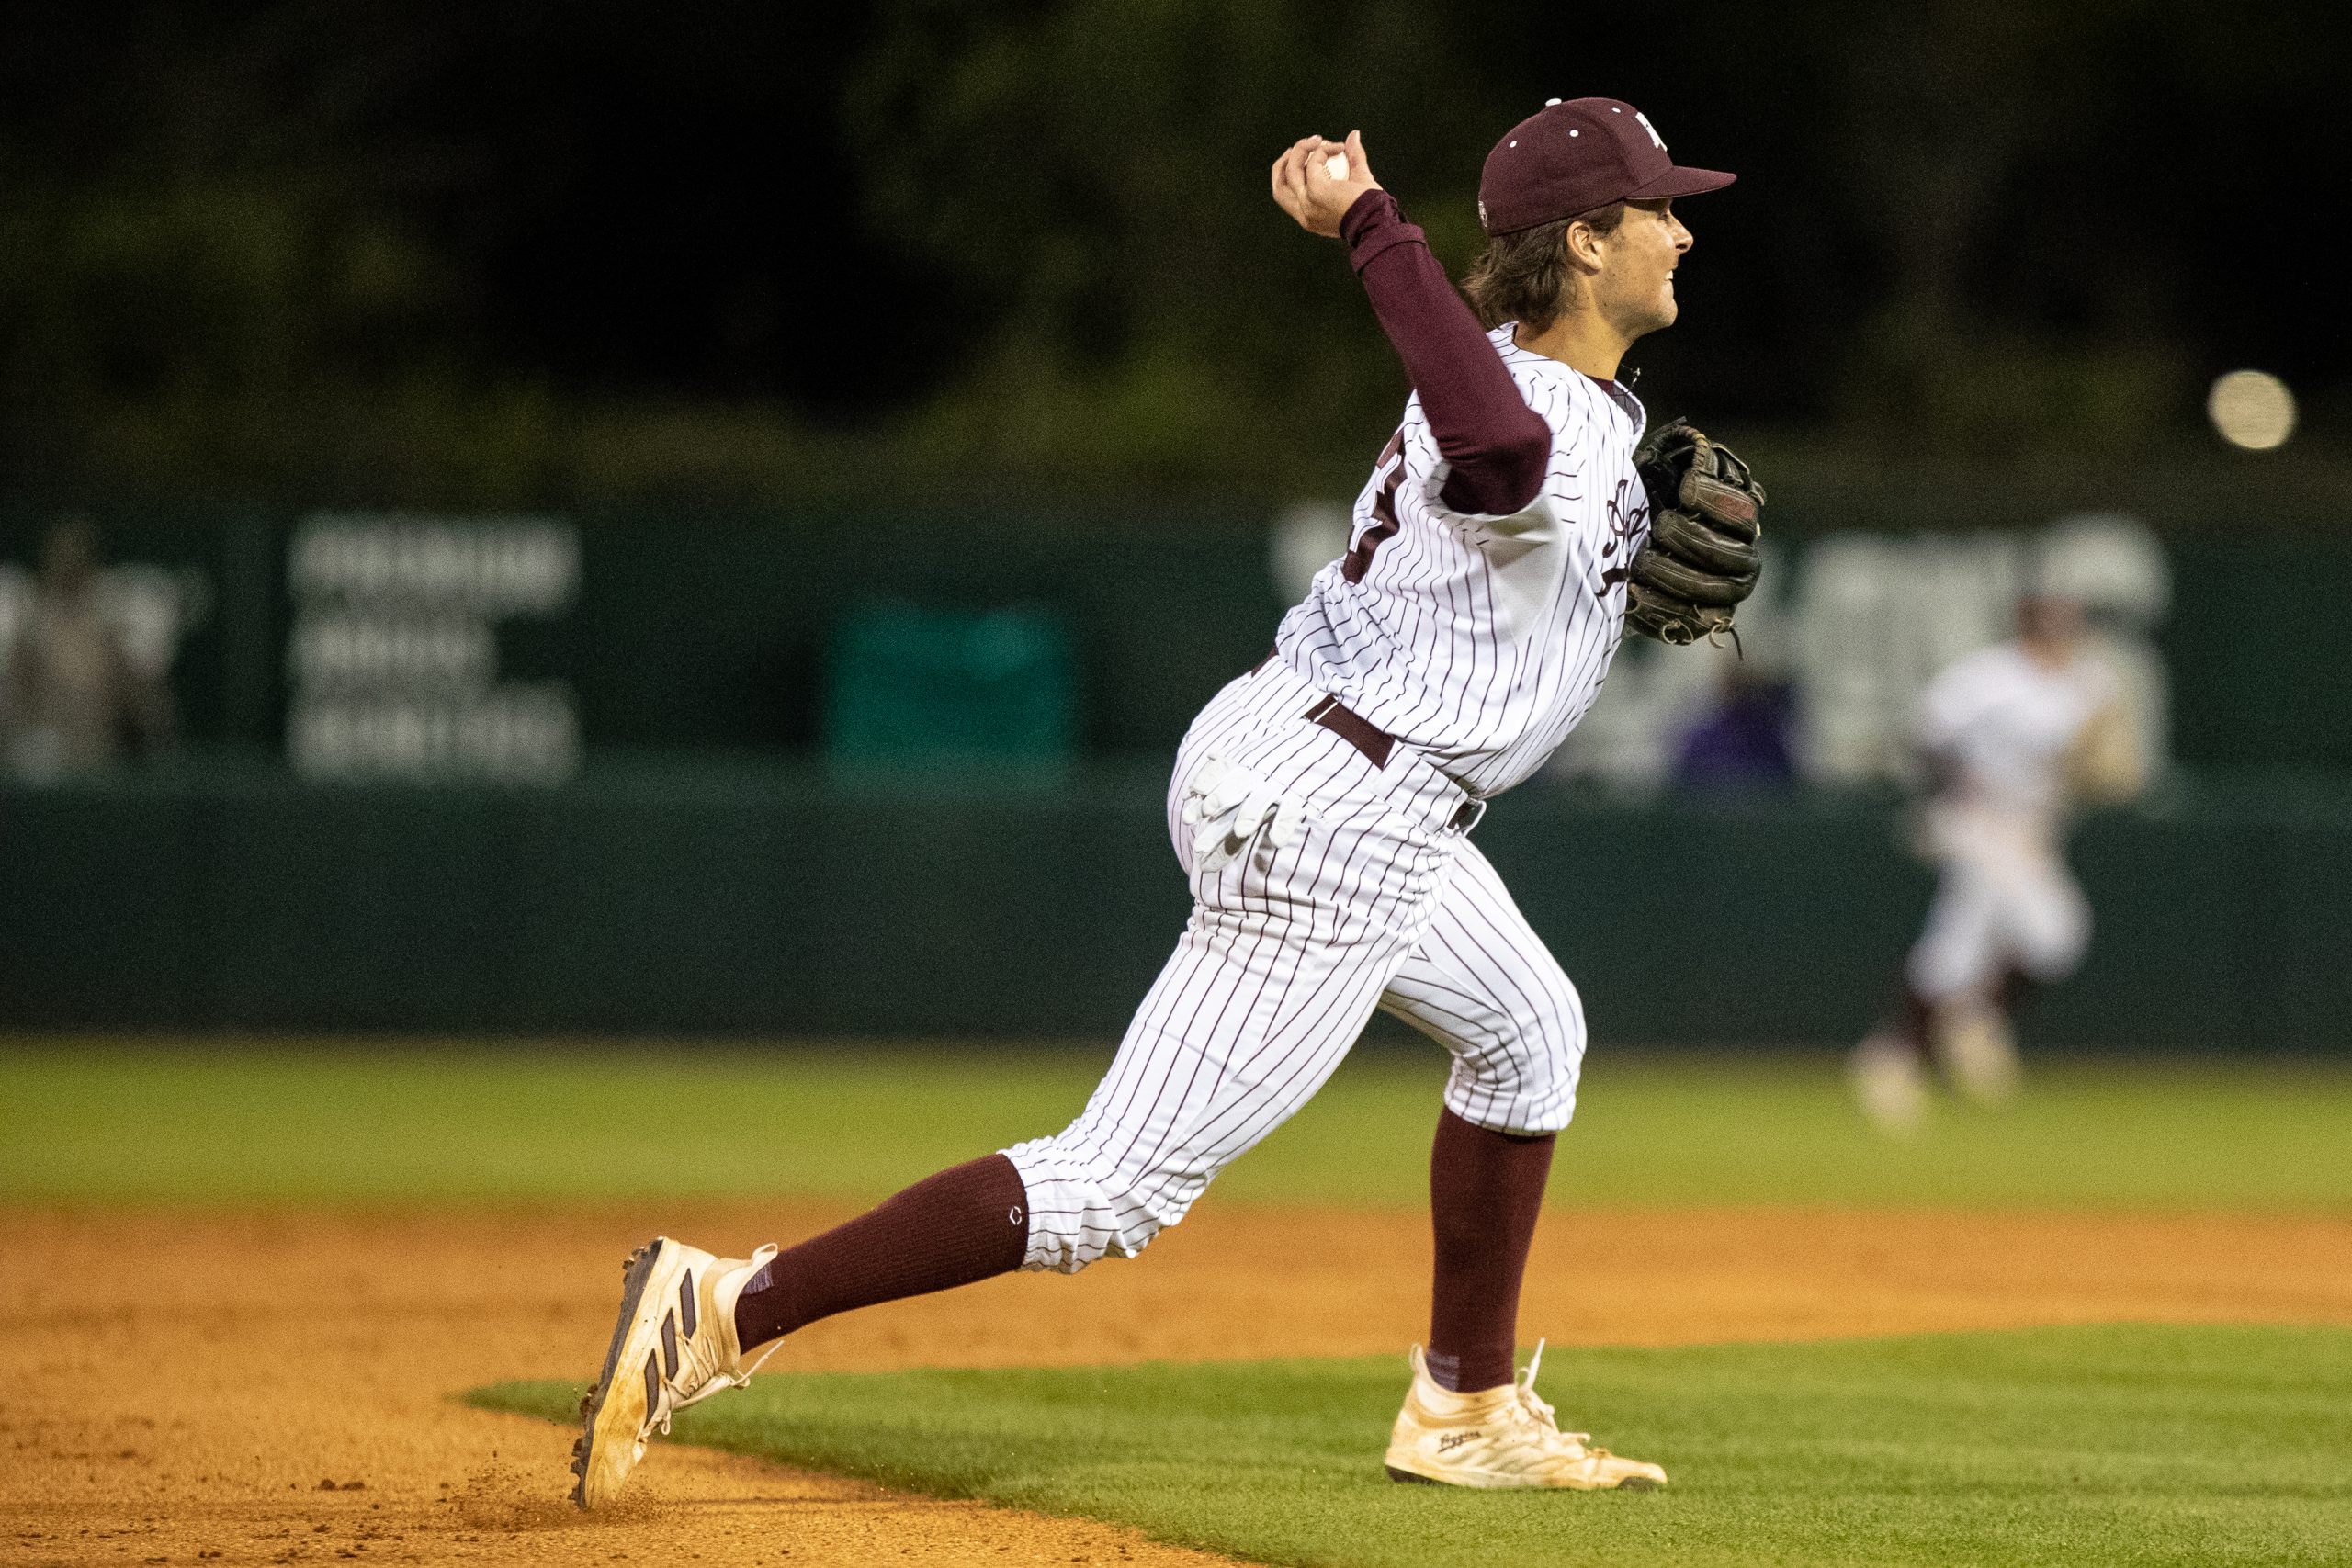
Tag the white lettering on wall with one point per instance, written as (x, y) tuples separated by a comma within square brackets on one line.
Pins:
[(393, 657)]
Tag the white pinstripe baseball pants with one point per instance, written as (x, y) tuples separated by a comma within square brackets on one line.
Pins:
[(1378, 903), (2004, 897)]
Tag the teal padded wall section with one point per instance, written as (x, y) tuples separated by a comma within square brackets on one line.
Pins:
[(914, 686)]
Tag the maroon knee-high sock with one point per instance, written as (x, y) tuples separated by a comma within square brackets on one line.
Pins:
[(1486, 1189), (965, 1223)]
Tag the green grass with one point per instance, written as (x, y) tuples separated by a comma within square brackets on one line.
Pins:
[(204, 1123), (2131, 1446), (2106, 1445)]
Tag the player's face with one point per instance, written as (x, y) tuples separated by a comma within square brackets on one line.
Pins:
[(1636, 287), (2051, 623)]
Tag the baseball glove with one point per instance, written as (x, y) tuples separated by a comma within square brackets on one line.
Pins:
[(1701, 560)]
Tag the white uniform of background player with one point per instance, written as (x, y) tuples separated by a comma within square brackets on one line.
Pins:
[(2013, 735)]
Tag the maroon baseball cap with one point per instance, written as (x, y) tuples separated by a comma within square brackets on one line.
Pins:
[(1575, 156)]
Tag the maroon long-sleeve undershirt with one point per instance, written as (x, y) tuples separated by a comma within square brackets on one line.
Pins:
[(1495, 448)]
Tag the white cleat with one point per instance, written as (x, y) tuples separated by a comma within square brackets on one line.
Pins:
[(1889, 1084), (675, 1346), (1501, 1438), (1978, 1052)]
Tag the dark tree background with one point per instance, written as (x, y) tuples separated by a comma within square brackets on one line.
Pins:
[(417, 249)]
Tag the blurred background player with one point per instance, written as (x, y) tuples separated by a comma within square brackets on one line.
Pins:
[(74, 696), (2009, 738)]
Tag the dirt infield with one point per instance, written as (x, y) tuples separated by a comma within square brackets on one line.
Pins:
[(276, 1389)]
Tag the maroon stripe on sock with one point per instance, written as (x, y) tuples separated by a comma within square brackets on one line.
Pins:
[(965, 1223), (1486, 1189)]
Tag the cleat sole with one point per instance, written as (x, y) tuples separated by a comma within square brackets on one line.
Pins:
[(634, 1273), (1631, 1482)]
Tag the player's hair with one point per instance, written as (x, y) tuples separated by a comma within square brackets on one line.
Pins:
[(1524, 276)]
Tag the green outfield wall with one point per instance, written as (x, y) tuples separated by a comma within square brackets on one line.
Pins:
[(710, 630), (764, 898), (701, 871)]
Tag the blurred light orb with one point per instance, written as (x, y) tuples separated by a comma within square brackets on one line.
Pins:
[(2252, 409)]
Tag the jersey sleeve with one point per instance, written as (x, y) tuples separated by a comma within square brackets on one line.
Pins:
[(1538, 520), (1429, 475), (1496, 448), (1518, 547)]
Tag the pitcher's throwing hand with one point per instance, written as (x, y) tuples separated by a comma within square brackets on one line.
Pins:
[(1317, 180)]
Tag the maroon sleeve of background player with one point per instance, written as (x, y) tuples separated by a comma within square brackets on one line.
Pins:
[(1495, 448)]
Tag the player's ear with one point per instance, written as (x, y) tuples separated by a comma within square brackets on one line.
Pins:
[(1583, 245)]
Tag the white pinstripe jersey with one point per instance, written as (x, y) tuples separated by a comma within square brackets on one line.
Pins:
[(1481, 640)]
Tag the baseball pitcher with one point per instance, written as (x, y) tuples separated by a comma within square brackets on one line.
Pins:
[(1511, 529), (2009, 738)]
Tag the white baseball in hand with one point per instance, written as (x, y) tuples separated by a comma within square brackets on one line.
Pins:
[(1336, 165)]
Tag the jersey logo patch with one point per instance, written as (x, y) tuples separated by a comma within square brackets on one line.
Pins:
[(1628, 516)]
